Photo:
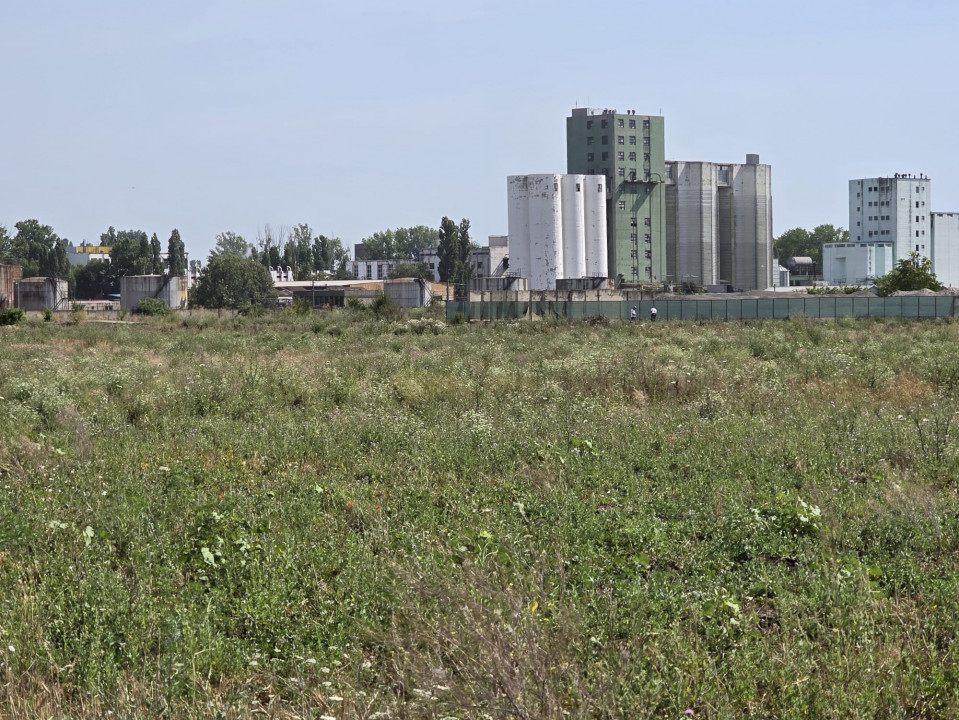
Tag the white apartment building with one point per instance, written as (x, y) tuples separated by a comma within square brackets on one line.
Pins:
[(719, 224), (893, 210)]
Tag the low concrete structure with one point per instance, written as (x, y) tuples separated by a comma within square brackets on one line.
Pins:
[(335, 293), (171, 290), (409, 292), (41, 293), (10, 275), (856, 263)]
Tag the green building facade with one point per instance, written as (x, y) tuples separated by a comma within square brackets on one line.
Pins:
[(630, 151)]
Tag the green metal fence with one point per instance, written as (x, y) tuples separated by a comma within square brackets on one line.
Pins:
[(733, 309)]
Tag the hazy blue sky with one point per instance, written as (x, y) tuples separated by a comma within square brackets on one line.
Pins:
[(356, 116)]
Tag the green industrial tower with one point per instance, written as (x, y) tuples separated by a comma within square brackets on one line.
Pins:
[(630, 151)]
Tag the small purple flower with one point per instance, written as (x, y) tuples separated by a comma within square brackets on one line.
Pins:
[(690, 711)]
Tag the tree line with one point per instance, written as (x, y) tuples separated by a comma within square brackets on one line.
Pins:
[(42, 253)]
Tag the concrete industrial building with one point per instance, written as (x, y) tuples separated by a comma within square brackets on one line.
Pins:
[(10, 275), (557, 228), (894, 210), (488, 261), (945, 247), (719, 224), (895, 214), (858, 263), (172, 291), (629, 150)]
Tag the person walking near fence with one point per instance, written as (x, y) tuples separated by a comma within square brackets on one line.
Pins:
[(652, 314), (632, 313)]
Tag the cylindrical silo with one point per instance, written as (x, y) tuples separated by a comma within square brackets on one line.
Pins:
[(518, 224), (574, 226), (545, 231), (594, 203)]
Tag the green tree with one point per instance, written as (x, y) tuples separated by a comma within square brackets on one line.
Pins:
[(447, 249), (94, 280), (127, 257), (6, 244), (412, 270), (911, 273), (329, 253), (400, 244), (156, 256), (229, 243), (39, 250), (176, 255), (800, 242), (227, 281), (464, 264)]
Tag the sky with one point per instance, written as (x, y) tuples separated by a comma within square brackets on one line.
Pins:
[(359, 115)]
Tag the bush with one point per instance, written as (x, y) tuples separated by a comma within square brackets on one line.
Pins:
[(386, 308), (299, 306), (153, 306), (11, 316)]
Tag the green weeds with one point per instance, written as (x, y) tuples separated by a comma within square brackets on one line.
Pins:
[(356, 514)]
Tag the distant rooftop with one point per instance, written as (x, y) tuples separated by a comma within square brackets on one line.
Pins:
[(607, 111)]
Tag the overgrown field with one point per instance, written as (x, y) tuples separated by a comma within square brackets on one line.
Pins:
[(346, 517)]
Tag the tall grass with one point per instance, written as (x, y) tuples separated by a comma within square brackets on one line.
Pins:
[(359, 516)]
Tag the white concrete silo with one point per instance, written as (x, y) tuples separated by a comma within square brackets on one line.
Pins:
[(594, 204), (517, 187), (574, 226), (545, 231)]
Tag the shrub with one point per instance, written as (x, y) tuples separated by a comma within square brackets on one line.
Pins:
[(153, 306), (299, 306), (11, 316), (386, 308)]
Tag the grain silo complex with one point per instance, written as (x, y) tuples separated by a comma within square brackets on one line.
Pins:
[(719, 224), (557, 227)]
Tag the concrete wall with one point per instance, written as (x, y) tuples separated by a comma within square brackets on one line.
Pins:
[(945, 247), (856, 263), (9, 276), (171, 290), (41, 293)]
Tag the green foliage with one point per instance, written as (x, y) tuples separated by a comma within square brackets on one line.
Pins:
[(400, 244), (95, 280), (156, 256), (229, 243), (6, 245), (844, 290), (911, 273), (386, 308), (11, 316), (799, 242), (346, 517), (300, 306), (228, 281), (454, 251), (38, 249), (176, 255), (153, 306), (412, 270)]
